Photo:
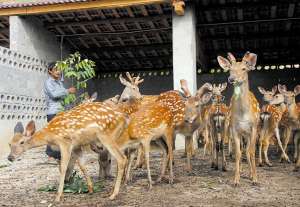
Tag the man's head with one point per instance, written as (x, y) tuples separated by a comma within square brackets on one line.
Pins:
[(53, 71)]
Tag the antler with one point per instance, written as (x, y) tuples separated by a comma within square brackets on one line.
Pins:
[(137, 80), (129, 77), (185, 88), (206, 86)]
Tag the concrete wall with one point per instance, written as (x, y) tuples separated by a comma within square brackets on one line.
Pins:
[(110, 86), (21, 95), (28, 36)]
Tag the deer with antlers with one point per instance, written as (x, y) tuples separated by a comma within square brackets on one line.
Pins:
[(270, 116), (216, 116), (292, 115), (244, 110)]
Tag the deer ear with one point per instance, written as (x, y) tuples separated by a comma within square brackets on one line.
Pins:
[(206, 98), (94, 96), (250, 59), (19, 128), (30, 128), (281, 88), (297, 90), (231, 58), (274, 89), (224, 63), (261, 90), (223, 86)]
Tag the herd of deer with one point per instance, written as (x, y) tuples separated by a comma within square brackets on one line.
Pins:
[(132, 125)]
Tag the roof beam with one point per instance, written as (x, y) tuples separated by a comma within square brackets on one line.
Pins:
[(103, 4), (109, 21)]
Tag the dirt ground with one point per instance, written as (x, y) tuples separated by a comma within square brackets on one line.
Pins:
[(278, 185)]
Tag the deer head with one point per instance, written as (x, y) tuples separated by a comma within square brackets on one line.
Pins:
[(193, 103), (238, 70), (21, 140), (91, 98), (267, 95), (289, 96), (131, 89), (217, 92)]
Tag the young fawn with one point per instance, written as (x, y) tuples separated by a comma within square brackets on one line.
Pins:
[(85, 124), (216, 123), (292, 116), (269, 125), (244, 110)]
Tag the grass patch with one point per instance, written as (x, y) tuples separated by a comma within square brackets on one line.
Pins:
[(3, 166), (77, 185)]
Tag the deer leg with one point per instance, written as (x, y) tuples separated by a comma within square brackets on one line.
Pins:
[(87, 177), (296, 144), (140, 158), (284, 155), (252, 154), (237, 158), (164, 161), (169, 141), (65, 158), (224, 164), (189, 153), (249, 158), (70, 167), (104, 164), (146, 145), (265, 149), (297, 147), (213, 151), (128, 176), (260, 161), (286, 140)]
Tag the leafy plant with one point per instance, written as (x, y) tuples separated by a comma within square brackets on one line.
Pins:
[(79, 71), (76, 186)]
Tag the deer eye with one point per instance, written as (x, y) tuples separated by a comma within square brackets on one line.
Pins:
[(22, 142), (244, 69)]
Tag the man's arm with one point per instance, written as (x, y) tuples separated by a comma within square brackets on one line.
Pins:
[(55, 91)]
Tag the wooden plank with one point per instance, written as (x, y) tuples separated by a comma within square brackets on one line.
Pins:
[(109, 21), (103, 4)]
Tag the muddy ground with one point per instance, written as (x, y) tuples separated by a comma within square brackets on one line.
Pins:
[(278, 185)]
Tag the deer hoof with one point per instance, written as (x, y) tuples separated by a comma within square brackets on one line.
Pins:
[(57, 199), (269, 164), (212, 165), (260, 164), (90, 189), (112, 197), (224, 169), (216, 167)]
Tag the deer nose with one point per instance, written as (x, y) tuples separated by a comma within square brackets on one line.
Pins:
[(231, 79), (10, 158)]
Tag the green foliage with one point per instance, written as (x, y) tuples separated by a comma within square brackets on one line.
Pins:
[(77, 186), (79, 71)]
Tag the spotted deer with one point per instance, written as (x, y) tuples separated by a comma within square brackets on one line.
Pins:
[(292, 116), (270, 118), (82, 125), (186, 112), (244, 110), (216, 116)]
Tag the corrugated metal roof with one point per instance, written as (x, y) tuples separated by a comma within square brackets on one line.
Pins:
[(28, 3)]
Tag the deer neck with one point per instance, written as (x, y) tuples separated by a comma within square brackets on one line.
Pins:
[(38, 139), (293, 113), (241, 97)]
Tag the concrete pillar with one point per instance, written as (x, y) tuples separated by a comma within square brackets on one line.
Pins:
[(184, 48), (184, 54), (28, 36)]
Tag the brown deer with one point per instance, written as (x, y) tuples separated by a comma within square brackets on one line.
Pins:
[(216, 116), (292, 116), (269, 125), (82, 125), (244, 110), (187, 117), (173, 102)]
